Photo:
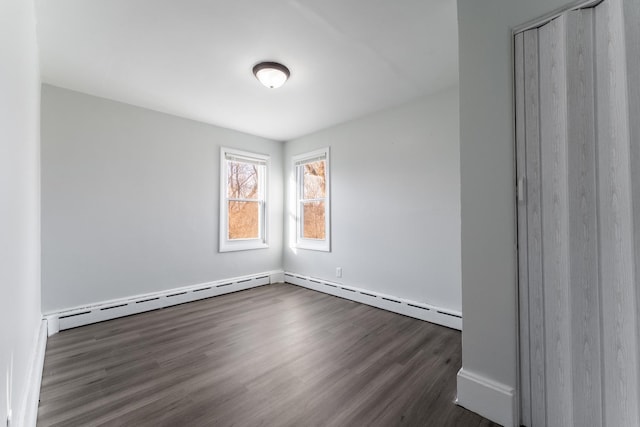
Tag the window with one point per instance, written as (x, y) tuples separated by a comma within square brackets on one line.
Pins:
[(313, 200), (243, 213)]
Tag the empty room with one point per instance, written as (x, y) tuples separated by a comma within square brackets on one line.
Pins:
[(339, 213)]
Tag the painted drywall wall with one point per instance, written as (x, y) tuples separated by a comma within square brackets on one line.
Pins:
[(130, 201), (489, 290), (19, 203), (395, 202)]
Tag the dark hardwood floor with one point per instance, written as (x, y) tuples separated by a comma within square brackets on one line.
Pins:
[(278, 355)]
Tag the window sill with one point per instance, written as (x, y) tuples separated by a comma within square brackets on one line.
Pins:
[(314, 246), (242, 246)]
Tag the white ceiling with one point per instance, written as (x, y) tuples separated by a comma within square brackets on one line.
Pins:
[(193, 58)]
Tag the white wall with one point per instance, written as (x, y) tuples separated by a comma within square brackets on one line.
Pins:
[(395, 202), (130, 201), (19, 200), (489, 338)]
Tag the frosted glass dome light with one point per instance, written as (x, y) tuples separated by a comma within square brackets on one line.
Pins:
[(271, 74)]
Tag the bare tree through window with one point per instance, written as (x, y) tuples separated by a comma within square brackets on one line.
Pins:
[(313, 200), (243, 200)]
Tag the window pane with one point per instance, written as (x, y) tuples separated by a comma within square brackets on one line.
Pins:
[(244, 220), (242, 180), (314, 224), (314, 180)]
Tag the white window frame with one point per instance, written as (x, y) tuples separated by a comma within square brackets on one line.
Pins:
[(298, 161), (226, 244)]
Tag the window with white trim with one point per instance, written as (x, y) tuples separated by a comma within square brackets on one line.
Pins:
[(243, 200), (313, 200)]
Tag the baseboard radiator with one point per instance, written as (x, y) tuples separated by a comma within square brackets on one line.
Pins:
[(80, 316), (429, 313), (99, 312)]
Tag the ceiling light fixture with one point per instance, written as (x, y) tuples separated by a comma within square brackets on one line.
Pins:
[(271, 74)]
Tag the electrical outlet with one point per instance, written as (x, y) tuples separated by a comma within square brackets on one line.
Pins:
[(338, 271)]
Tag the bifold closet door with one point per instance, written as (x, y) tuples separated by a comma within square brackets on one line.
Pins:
[(578, 155)]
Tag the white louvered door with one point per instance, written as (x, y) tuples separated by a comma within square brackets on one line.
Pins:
[(578, 166)]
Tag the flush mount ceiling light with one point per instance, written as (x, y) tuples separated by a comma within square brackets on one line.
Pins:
[(271, 74)]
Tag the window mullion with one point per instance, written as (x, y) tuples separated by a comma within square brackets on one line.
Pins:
[(231, 199)]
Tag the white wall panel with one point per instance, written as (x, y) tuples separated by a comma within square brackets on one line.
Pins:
[(534, 223), (615, 220), (631, 14), (584, 283), (523, 253), (20, 314), (582, 159), (555, 222)]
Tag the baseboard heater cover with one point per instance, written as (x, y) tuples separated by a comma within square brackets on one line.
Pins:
[(80, 316), (441, 316)]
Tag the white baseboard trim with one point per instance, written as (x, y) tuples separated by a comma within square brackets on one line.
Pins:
[(107, 310), (429, 313), (486, 397), (29, 413)]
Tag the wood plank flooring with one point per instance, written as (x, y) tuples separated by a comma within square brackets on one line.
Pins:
[(277, 355)]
